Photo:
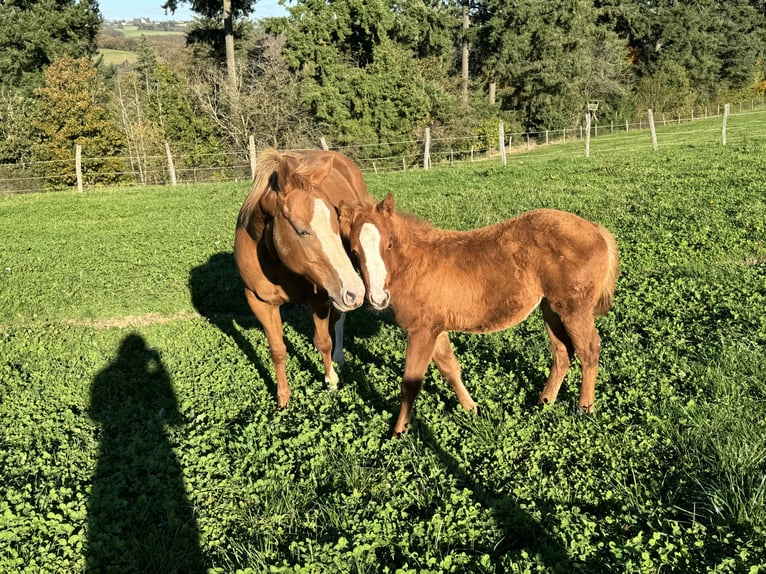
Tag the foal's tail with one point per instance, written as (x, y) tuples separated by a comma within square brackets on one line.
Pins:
[(607, 290)]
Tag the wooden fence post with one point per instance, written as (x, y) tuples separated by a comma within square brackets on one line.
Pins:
[(427, 153), (171, 167), (78, 165), (251, 148), (587, 133), (501, 141), (324, 143), (651, 128), (725, 119)]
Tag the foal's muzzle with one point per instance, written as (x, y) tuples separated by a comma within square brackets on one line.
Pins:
[(380, 301)]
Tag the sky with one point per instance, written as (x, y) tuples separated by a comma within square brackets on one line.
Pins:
[(152, 9)]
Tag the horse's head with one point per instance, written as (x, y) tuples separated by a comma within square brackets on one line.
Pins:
[(306, 233), (369, 232)]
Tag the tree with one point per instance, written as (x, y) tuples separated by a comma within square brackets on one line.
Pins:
[(226, 10), (72, 109), (268, 97), (716, 44), (156, 106), (33, 33), (548, 59), (371, 70)]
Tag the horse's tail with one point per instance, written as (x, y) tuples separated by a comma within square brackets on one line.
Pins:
[(268, 160), (607, 290)]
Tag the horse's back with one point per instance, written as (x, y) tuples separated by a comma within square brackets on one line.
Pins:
[(575, 256)]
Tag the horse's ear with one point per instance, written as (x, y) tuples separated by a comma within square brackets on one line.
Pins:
[(387, 205), (285, 170), (322, 172)]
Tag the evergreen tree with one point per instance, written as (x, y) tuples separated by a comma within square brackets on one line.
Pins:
[(33, 33), (372, 71), (548, 59)]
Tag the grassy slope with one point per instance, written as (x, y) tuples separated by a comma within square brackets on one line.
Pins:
[(99, 431)]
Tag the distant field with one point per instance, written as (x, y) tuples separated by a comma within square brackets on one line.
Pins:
[(136, 32), (117, 57)]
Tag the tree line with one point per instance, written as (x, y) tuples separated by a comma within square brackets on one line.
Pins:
[(359, 71)]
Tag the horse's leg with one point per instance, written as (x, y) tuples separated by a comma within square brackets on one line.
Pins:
[(321, 312), (561, 349), (420, 349), (587, 344), (268, 315), (448, 366)]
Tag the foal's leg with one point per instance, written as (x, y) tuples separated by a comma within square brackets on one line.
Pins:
[(561, 349), (268, 315), (420, 349), (448, 366), (321, 312), (587, 343)]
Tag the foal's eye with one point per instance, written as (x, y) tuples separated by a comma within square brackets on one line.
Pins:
[(303, 232)]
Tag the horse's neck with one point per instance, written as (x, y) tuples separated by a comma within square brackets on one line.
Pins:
[(417, 239)]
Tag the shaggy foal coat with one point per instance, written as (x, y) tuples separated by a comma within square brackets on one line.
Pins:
[(485, 280)]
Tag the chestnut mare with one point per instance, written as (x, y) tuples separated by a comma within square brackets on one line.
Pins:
[(288, 250), (485, 280)]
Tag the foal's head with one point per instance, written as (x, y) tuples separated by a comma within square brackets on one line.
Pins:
[(369, 232), (306, 233)]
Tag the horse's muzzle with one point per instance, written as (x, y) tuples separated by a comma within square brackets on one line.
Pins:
[(352, 300)]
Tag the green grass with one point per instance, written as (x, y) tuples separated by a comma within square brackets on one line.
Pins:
[(117, 57), (136, 32), (140, 427)]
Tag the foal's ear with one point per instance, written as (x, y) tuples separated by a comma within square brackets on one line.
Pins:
[(387, 205), (345, 217)]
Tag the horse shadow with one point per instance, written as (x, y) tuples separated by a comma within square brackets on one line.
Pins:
[(217, 293), (520, 530), (139, 516)]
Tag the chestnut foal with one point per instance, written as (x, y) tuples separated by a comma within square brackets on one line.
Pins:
[(485, 280)]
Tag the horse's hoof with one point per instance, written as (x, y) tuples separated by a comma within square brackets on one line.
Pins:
[(332, 380), (583, 410)]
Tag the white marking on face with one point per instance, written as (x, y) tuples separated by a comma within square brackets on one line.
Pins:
[(369, 237), (333, 249)]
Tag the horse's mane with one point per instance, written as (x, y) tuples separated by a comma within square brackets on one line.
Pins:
[(265, 179), (412, 228)]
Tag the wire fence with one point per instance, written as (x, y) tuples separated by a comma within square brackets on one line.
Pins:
[(746, 120)]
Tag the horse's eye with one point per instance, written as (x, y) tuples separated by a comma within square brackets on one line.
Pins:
[(303, 232)]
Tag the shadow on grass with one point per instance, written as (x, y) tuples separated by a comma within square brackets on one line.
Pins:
[(217, 293), (139, 517), (520, 530)]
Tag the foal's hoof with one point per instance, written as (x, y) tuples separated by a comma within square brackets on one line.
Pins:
[(585, 409), (399, 433)]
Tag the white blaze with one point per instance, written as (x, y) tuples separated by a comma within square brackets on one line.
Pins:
[(333, 249), (369, 237)]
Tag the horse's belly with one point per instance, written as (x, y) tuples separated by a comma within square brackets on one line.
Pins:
[(501, 316)]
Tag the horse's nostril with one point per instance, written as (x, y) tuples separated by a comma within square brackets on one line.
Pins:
[(350, 298)]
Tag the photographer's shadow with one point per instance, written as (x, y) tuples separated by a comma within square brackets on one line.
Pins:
[(139, 516)]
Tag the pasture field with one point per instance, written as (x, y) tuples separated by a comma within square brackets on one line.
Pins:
[(117, 57), (139, 421)]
